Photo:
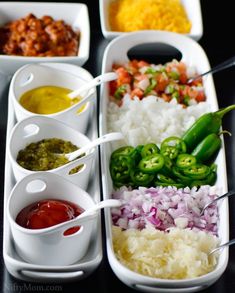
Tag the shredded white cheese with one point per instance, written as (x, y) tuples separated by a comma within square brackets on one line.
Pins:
[(178, 254)]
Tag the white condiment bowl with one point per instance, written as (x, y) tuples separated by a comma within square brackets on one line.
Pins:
[(34, 129), (49, 246), (32, 76)]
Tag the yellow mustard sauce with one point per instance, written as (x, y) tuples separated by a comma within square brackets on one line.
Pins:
[(48, 100)]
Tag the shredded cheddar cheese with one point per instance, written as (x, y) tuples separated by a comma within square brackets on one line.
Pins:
[(133, 15)]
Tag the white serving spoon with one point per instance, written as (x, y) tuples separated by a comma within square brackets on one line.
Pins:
[(105, 77), (89, 213), (108, 203), (109, 76), (105, 138)]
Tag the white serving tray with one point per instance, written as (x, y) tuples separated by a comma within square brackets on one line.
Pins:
[(192, 55), (77, 271)]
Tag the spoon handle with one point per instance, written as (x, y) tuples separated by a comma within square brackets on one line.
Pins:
[(105, 138), (96, 81), (231, 242), (226, 64), (108, 203), (232, 192)]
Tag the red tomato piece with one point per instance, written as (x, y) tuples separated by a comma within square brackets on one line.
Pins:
[(137, 92)]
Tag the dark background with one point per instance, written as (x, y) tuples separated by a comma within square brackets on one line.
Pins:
[(218, 43)]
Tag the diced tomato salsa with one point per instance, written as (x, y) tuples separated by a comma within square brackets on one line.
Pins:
[(141, 79)]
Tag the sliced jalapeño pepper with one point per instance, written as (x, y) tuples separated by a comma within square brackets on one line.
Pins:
[(185, 160), (213, 167), (167, 168), (125, 151), (181, 178), (197, 171), (140, 178), (151, 164), (164, 179), (139, 148), (169, 151), (149, 149), (177, 185), (120, 168), (137, 154), (210, 180), (174, 141), (120, 184)]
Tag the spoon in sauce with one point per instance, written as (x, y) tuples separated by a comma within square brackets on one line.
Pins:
[(226, 64), (112, 136), (109, 76)]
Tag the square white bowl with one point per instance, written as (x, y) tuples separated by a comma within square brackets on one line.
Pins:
[(74, 14), (192, 8)]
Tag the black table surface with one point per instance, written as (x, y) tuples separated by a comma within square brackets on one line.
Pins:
[(218, 43)]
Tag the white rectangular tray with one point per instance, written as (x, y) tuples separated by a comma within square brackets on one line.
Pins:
[(192, 55), (77, 271)]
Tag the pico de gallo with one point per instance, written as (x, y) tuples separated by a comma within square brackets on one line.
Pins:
[(169, 81)]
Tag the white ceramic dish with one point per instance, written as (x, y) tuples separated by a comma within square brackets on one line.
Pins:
[(36, 128), (32, 76), (192, 7), (44, 246), (79, 270), (75, 14), (116, 52)]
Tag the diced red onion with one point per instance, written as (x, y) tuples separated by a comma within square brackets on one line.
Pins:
[(165, 207)]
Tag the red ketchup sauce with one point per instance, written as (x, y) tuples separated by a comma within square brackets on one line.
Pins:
[(47, 213)]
